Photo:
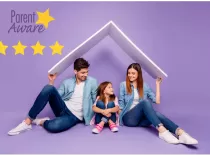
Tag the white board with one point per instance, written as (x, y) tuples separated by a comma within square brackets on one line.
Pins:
[(121, 39)]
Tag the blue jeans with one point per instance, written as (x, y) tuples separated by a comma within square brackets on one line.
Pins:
[(143, 114), (64, 118), (99, 117)]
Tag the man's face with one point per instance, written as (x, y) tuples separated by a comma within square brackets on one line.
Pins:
[(82, 74)]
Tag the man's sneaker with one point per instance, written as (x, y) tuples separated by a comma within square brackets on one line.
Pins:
[(97, 129), (20, 128), (38, 121), (187, 139), (168, 137), (113, 127)]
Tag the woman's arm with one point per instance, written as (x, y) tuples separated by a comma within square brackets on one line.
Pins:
[(158, 81), (122, 97), (155, 98)]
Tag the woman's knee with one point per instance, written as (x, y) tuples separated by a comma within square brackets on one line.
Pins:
[(146, 103), (100, 105), (110, 105), (129, 122)]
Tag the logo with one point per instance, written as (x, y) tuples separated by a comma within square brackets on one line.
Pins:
[(27, 23)]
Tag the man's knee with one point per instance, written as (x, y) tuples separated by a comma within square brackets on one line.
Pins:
[(100, 105), (110, 105), (52, 126), (47, 89)]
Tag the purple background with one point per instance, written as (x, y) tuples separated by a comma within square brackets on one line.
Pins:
[(175, 35)]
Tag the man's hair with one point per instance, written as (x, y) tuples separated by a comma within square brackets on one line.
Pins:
[(80, 63)]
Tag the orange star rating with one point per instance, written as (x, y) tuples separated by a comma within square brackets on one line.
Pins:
[(56, 48)]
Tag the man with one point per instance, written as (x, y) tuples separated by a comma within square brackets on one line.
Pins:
[(71, 103)]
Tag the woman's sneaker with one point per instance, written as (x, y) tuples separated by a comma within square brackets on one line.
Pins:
[(168, 137), (187, 139)]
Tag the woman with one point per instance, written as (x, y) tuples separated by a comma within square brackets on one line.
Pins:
[(136, 108)]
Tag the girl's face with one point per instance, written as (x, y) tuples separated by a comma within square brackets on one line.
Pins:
[(132, 74), (109, 90)]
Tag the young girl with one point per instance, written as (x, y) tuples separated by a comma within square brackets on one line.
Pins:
[(105, 108), (137, 110)]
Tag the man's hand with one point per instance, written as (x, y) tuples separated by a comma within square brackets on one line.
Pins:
[(158, 80), (52, 78)]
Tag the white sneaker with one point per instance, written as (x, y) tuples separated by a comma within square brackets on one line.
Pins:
[(37, 121), (20, 128), (187, 139), (168, 137)]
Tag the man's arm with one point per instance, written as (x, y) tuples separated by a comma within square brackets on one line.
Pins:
[(61, 89), (94, 87)]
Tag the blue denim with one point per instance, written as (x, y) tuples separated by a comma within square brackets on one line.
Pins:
[(64, 118), (126, 99), (143, 114), (99, 117), (66, 91)]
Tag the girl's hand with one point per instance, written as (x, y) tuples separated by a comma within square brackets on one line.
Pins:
[(106, 112)]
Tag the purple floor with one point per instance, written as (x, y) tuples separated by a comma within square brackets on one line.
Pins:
[(80, 140)]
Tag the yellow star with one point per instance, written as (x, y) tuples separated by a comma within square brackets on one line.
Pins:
[(3, 48), (19, 48), (57, 48), (38, 48), (44, 18)]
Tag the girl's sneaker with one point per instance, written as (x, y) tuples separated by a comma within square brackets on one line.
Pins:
[(97, 129), (113, 127)]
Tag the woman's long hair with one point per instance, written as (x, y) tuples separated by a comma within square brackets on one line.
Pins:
[(100, 92), (137, 67)]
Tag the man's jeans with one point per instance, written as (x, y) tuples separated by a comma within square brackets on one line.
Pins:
[(143, 115), (64, 118)]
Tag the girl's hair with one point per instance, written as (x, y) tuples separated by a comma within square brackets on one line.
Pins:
[(100, 92), (137, 67)]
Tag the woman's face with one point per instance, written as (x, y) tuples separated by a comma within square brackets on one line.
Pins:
[(109, 90), (132, 74)]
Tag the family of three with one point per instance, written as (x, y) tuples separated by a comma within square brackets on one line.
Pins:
[(80, 100)]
